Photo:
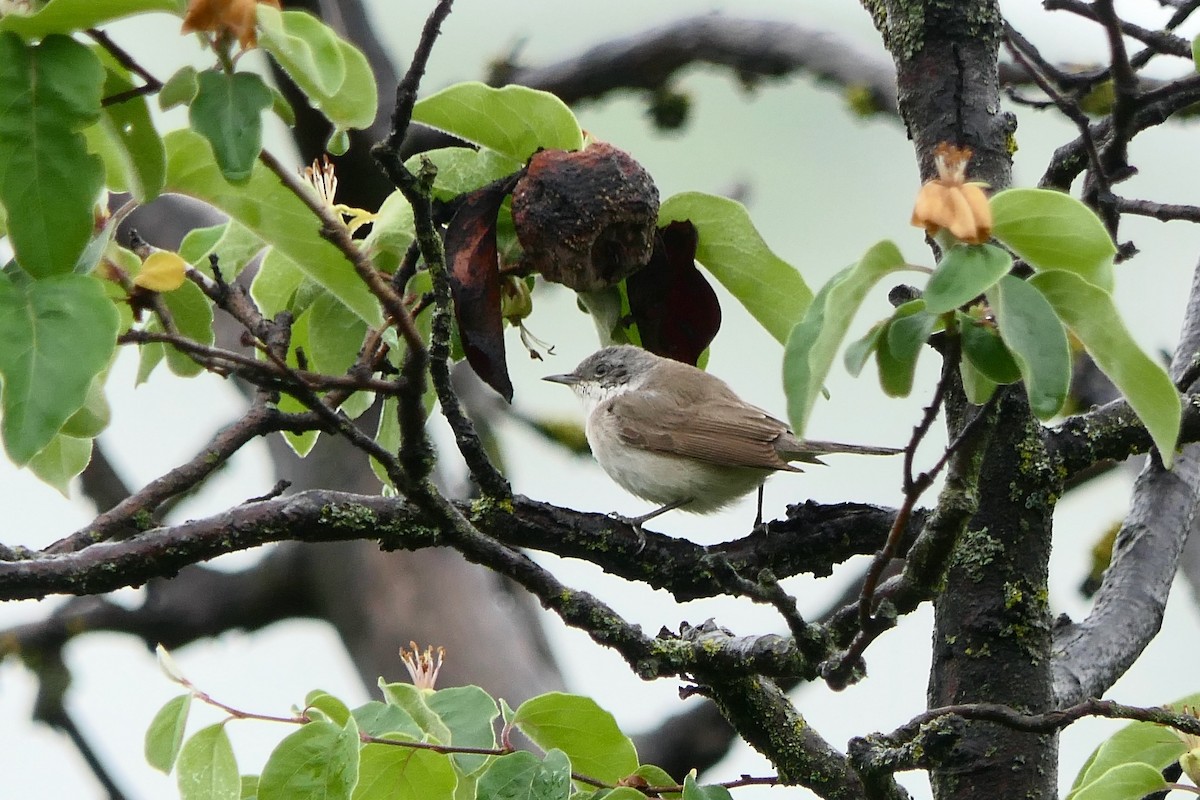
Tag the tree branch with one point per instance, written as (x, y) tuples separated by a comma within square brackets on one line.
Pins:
[(1128, 608), (197, 603), (914, 744), (767, 48), (133, 513), (813, 539)]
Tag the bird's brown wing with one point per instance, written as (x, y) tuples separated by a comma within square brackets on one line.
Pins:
[(721, 432)]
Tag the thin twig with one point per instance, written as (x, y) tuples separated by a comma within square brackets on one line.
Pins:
[(1158, 42), (869, 626), (337, 234), (265, 374), (1024, 53), (406, 89), (123, 519), (417, 190), (123, 58), (914, 487), (1164, 212), (1125, 89), (1052, 720)]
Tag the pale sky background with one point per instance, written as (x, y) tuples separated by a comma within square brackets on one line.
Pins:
[(822, 188)]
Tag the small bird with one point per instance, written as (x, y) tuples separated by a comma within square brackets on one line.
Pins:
[(677, 436)]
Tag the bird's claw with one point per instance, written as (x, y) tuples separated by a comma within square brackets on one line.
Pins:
[(636, 524)]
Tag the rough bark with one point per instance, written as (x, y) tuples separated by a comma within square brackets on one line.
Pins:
[(992, 625)]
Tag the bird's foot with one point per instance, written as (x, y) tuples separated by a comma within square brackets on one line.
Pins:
[(636, 524)]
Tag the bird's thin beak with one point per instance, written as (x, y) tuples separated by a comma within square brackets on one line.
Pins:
[(570, 378)]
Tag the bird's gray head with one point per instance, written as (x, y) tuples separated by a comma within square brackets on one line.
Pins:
[(607, 373)]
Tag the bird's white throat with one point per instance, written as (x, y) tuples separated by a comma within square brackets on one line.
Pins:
[(593, 393)]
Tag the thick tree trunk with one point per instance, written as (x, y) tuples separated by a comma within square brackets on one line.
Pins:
[(991, 639), (992, 629)]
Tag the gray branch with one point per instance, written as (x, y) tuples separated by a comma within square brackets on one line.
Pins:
[(1128, 611), (750, 47)]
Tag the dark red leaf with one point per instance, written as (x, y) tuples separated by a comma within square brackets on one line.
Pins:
[(673, 305), (474, 269)]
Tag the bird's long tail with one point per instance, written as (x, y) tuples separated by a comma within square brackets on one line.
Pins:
[(808, 450)]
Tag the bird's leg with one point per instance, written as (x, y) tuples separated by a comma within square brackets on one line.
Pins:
[(758, 516), (641, 519)]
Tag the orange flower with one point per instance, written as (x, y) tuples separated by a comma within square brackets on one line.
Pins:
[(949, 202), (236, 17)]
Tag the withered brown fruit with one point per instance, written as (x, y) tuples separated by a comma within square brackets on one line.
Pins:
[(586, 219)]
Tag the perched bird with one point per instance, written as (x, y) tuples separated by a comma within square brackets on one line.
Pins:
[(677, 436)]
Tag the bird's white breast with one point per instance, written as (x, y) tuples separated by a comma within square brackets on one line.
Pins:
[(660, 477)]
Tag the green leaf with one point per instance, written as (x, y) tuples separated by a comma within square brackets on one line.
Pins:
[(276, 283), (335, 335), (1142, 742), (61, 460), (140, 162), (416, 702), (657, 776), (331, 707), (233, 244), (583, 730), (334, 75), (895, 373), (514, 120), (965, 272), (1131, 781), (149, 357), (249, 787), (320, 761), (899, 346), (164, 737), (273, 213), (68, 16), (49, 182), (301, 443), (376, 719), (1052, 230), (391, 233), (227, 110), (93, 416), (1032, 331), (306, 48), (463, 169), (524, 776), (338, 143), (986, 351), (732, 250), (468, 712), (978, 387), (387, 436), (180, 89), (56, 335), (192, 313), (910, 329), (207, 769), (814, 341), (859, 351), (355, 102), (1091, 315), (391, 772), (693, 791)]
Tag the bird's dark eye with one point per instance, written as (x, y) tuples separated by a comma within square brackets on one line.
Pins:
[(602, 369)]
